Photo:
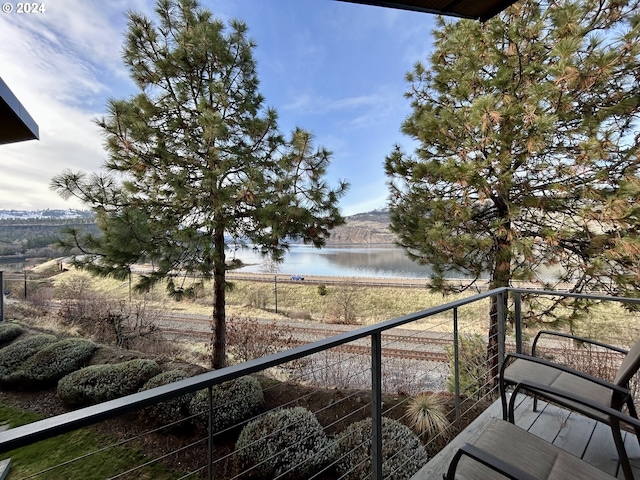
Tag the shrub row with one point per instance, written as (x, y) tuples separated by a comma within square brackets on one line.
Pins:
[(291, 444), (42, 361), (287, 443)]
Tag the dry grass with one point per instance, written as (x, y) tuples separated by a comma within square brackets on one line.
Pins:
[(302, 301)]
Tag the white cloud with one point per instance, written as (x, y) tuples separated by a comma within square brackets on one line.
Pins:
[(59, 64), (314, 104), (333, 67)]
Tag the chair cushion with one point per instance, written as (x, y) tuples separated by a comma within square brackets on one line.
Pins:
[(522, 369), (529, 453)]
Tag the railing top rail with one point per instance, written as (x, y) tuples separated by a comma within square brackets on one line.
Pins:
[(575, 295), (43, 429), (40, 430)]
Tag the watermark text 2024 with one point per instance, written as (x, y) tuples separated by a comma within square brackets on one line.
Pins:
[(23, 8)]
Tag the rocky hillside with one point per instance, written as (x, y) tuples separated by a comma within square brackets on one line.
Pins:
[(364, 228)]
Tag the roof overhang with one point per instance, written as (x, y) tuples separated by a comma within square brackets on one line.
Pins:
[(474, 9), (16, 125)]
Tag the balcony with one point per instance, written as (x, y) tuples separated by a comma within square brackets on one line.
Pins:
[(374, 372)]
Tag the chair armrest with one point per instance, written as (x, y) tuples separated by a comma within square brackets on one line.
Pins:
[(612, 386), (574, 337), (508, 470), (552, 393)]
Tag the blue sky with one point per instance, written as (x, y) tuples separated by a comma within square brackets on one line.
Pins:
[(331, 67)]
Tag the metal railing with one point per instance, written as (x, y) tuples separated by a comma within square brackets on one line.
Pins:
[(455, 324)]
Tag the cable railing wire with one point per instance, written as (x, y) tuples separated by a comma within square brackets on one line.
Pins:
[(319, 369)]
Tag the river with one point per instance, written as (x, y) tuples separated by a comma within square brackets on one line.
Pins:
[(381, 261), (343, 261)]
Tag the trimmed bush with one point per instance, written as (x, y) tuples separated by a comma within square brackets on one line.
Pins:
[(14, 355), (99, 383), (233, 402), (402, 453), (171, 410), (288, 444), (50, 364), (9, 332)]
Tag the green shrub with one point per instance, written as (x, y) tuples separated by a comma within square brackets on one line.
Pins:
[(233, 402), (99, 383), (288, 444), (9, 332), (171, 410), (14, 355), (47, 366), (472, 364), (402, 453), (322, 290)]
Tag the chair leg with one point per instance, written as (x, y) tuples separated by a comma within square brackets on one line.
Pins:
[(503, 399), (622, 452), (632, 412)]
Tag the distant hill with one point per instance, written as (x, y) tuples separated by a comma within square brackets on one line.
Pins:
[(46, 214), (364, 228), (34, 233)]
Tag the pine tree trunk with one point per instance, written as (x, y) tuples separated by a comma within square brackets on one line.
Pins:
[(500, 277), (219, 340)]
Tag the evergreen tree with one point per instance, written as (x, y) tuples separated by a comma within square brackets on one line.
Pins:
[(195, 160), (528, 149)]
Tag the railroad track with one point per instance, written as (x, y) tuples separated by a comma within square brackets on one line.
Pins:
[(319, 331), (432, 356), (411, 345)]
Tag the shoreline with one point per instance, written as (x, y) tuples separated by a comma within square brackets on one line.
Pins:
[(410, 282), (399, 282)]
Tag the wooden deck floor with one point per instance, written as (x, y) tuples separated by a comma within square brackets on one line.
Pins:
[(585, 438)]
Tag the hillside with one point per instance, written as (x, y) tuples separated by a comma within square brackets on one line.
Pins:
[(34, 233), (21, 226), (364, 228)]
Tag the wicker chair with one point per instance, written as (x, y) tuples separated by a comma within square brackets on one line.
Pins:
[(519, 368)]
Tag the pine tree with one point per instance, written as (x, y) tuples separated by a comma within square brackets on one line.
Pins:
[(528, 150), (195, 161)]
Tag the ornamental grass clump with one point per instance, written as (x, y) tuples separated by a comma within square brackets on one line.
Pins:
[(402, 453), (427, 416), (44, 368), (170, 411), (233, 402), (99, 383), (9, 332), (289, 444), (14, 355)]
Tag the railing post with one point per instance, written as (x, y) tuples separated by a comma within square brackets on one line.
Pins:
[(376, 405), (502, 319), (456, 364), (210, 430), (517, 298)]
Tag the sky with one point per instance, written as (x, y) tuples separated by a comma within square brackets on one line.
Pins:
[(334, 68)]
